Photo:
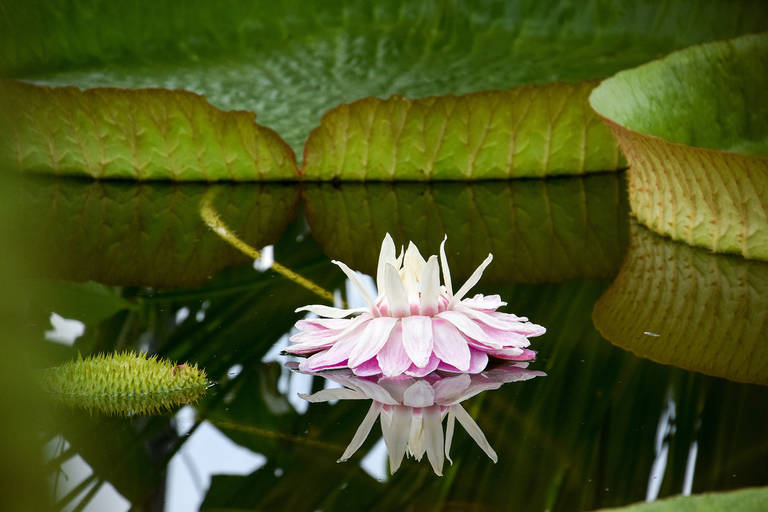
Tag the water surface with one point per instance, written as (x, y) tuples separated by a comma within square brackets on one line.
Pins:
[(605, 427)]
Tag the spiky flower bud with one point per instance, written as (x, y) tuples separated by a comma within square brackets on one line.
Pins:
[(125, 383)]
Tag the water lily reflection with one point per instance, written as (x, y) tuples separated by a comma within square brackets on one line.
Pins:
[(415, 325), (412, 409)]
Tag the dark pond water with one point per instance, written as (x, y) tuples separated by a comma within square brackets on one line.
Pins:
[(604, 427)]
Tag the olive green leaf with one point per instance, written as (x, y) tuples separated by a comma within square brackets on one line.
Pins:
[(680, 305), (521, 132), (147, 234), (694, 128), (743, 500), (125, 383), (145, 134), (538, 231)]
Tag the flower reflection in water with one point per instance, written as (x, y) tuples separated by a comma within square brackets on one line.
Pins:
[(412, 409), (414, 325)]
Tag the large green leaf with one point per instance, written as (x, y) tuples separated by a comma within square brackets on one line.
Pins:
[(521, 132), (538, 231), (719, 307), (745, 500), (146, 134), (149, 234), (694, 127), (290, 63)]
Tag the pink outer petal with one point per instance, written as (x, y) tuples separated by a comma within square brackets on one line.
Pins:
[(370, 367), (506, 322), (505, 338), (484, 302), (312, 345), (417, 339), (323, 324), (450, 345), (508, 316), (371, 340), (415, 371), (317, 363), (519, 324), (392, 358), (315, 341), (509, 354), (477, 363), (340, 351), (469, 327)]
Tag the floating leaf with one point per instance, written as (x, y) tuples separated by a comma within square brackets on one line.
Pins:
[(538, 231), (743, 500), (148, 234), (694, 128), (682, 306), (145, 134), (521, 132), (290, 63), (125, 383)]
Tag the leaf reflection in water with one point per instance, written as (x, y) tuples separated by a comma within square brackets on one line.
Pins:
[(718, 303), (412, 409)]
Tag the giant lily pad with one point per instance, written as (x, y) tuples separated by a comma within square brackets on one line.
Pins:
[(744, 500), (538, 231), (290, 64), (682, 306), (521, 132), (146, 134), (148, 234), (694, 128)]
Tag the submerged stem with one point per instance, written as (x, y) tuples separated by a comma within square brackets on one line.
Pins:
[(211, 218)]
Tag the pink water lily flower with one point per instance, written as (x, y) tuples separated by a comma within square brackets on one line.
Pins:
[(414, 325), (411, 410)]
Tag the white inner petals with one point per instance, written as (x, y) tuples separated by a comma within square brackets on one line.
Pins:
[(386, 255), (430, 287), (355, 279), (413, 267), (396, 295), (472, 281)]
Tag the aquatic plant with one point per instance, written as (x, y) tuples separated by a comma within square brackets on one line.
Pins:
[(124, 383), (414, 326), (693, 128)]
